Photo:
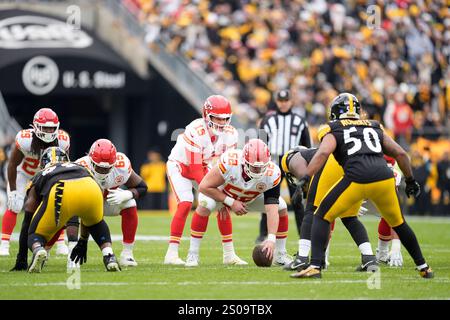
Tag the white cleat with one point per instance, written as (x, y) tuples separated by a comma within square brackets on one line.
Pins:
[(62, 249), (382, 256), (281, 259), (234, 260), (127, 259), (192, 260), (39, 258), (173, 259)]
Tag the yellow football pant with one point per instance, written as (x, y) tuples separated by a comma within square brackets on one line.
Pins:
[(67, 198), (346, 194)]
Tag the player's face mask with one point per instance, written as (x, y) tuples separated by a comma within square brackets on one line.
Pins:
[(101, 173), (256, 170), (218, 124)]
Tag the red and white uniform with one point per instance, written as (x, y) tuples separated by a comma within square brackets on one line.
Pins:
[(29, 166), (118, 176), (236, 187), (196, 148)]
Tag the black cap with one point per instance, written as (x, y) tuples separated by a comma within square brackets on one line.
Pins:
[(283, 95)]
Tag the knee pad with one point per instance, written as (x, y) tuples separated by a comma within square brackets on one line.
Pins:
[(206, 202), (100, 233)]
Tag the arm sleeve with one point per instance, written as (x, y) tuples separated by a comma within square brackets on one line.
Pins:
[(271, 196)]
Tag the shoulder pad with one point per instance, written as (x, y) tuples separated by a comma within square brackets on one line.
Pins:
[(83, 161), (323, 130), (123, 164), (273, 174), (24, 139), (63, 140), (229, 159)]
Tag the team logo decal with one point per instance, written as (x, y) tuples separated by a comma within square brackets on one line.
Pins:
[(119, 179), (40, 75), (261, 186)]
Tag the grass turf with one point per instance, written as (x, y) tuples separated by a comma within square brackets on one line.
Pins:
[(212, 280)]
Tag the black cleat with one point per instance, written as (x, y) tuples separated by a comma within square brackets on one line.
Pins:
[(310, 272), (426, 273), (368, 263), (299, 263), (111, 263), (260, 239)]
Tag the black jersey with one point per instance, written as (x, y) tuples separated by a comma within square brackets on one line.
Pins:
[(359, 149), (44, 180)]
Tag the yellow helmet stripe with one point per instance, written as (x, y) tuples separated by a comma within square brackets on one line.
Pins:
[(53, 155), (352, 107)]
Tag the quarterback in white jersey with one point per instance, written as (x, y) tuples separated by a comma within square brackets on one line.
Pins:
[(204, 140), (111, 170), (24, 164), (244, 180)]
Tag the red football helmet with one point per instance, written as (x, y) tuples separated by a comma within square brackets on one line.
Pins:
[(217, 106), (256, 156), (46, 125), (103, 156)]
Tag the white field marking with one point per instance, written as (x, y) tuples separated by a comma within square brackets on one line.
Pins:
[(209, 283), (118, 237)]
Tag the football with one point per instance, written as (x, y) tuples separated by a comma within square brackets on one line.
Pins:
[(259, 257)]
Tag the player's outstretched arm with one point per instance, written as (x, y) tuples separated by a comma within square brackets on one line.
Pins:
[(327, 146), (272, 227)]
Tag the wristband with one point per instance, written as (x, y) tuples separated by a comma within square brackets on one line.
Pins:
[(228, 201), (271, 237)]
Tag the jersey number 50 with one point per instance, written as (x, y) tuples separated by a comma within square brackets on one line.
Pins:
[(371, 139)]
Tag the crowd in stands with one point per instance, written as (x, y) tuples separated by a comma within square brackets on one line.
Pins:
[(393, 55)]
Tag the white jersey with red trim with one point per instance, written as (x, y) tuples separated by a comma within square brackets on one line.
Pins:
[(236, 187), (30, 163), (118, 176), (196, 139)]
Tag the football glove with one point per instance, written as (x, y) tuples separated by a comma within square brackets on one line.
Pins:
[(79, 252), (300, 191), (117, 196), (15, 201), (412, 187)]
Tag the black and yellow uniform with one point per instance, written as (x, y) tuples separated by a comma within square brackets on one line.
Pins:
[(366, 174), (65, 190)]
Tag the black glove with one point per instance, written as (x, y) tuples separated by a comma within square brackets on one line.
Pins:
[(79, 252), (300, 191), (412, 187), (21, 265)]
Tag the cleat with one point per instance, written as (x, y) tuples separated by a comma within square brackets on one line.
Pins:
[(368, 263), (111, 263), (310, 272), (382, 256), (426, 273), (299, 263), (4, 249), (62, 249), (127, 259), (281, 259), (192, 260), (39, 258), (173, 259), (234, 260), (260, 239)]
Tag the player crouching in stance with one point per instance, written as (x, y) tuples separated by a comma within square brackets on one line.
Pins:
[(57, 193), (243, 180), (112, 170)]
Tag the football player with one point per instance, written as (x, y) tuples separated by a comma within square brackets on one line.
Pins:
[(294, 164), (112, 170), (60, 191), (24, 164), (203, 141), (243, 180), (358, 146)]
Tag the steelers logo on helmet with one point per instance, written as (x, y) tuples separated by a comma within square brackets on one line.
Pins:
[(46, 125), (345, 106), (256, 156), (52, 156), (217, 113), (102, 156)]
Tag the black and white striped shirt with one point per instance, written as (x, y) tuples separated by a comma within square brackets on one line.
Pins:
[(285, 131)]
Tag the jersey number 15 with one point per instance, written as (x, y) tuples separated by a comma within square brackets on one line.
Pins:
[(371, 139)]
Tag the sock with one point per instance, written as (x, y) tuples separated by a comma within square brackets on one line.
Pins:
[(357, 231), (106, 251), (366, 249), (282, 233), (198, 228), (384, 230), (225, 228), (228, 248), (383, 246), (320, 233), (409, 241), (129, 224), (303, 247), (396, 245), (71, 245), (173, 247), (8, 224), (128, 247), (178, 222), (307, 223)]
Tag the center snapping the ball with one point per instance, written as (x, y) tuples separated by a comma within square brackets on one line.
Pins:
[(260, 258)]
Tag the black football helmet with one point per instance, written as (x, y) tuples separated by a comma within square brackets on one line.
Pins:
[(345, 106), (53, 155)]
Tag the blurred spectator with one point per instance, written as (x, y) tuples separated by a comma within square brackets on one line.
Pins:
[(154, 174), (399, 118), (443, 183), (421, 166)]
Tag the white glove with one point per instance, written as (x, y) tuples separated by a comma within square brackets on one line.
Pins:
[(362, 210), (395, 259), (15, 201), (117, 196)]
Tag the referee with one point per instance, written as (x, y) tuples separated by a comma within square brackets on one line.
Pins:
[(284, 130)]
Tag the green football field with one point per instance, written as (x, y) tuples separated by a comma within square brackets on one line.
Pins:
[(212, 280)]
